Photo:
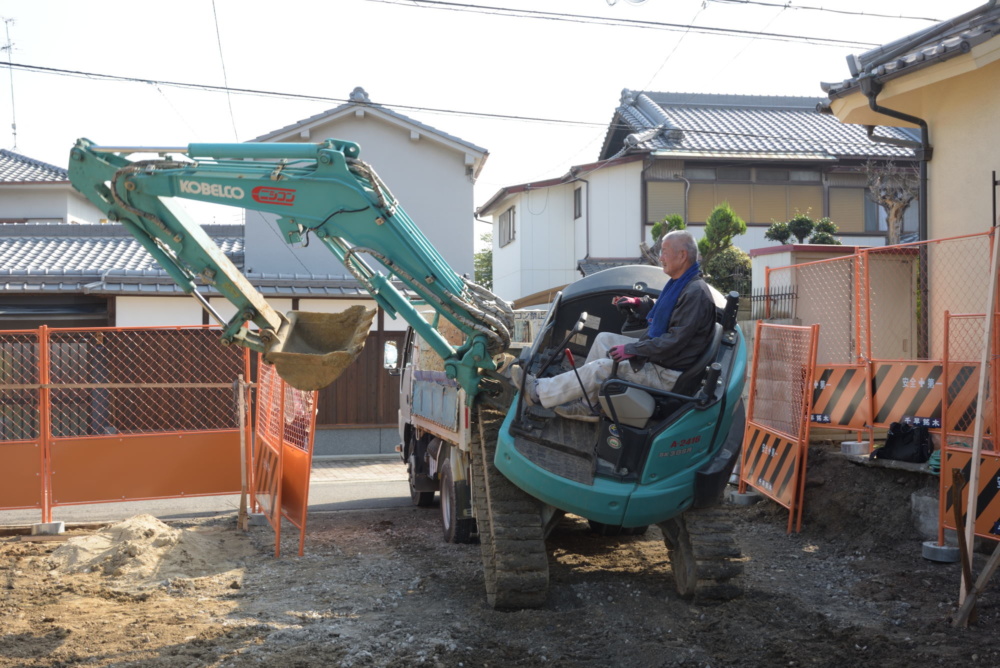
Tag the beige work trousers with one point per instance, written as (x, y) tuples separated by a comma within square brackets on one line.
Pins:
[(565, 387)]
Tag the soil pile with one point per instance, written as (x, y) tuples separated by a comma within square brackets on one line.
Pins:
[(143, 552)]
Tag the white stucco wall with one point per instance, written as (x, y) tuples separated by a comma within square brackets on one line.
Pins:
[(57, 201), (157, 311), (615, 211), (428, 178), (547, 248)]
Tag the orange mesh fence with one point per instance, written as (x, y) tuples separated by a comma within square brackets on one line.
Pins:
[(826, 293), (283, 448), (20, 446), (964, 335), (883, 311), (911, 286), (777, 434), (122, 414)]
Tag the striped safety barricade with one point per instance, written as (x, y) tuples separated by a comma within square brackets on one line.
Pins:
[(776, 441), (283, 450), (841, 398)]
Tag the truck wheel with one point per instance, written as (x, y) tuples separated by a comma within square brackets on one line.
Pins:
[(456, 530), (418, 498)]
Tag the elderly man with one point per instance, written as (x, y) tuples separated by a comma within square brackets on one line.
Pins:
[(680, 324)]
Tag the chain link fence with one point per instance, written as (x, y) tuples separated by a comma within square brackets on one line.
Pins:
[(19, 386), (135, 381)]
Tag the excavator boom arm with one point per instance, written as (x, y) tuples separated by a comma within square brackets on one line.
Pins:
[(323, 190)]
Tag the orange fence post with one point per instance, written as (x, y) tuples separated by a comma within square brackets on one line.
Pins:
[(45, 422)]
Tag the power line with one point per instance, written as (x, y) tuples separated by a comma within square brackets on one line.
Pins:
[(789, 5), (473, 114), (629, 23), (225, 79), (290, 96)]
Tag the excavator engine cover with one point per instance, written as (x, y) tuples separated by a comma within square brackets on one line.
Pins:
[(313, 349)]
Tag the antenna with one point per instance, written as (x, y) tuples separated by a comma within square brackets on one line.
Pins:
[(9, 47)]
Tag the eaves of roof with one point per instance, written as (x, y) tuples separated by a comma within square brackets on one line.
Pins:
[(360, 101), (156, 282), (920, 50)]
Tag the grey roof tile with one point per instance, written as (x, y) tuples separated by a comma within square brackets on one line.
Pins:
[(739, 126), (17, 168), (61, 249), (935, 44)]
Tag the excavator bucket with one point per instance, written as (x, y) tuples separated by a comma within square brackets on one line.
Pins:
[(313, 349)]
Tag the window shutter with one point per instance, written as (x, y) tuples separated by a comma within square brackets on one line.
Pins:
[(847, 208), (806, 199), (663, 199), (770, 203), (738, 196), (701, 201)]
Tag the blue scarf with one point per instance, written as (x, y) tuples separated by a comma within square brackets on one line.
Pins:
[(659, 317)]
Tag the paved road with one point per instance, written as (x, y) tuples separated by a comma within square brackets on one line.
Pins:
[(336, 484)]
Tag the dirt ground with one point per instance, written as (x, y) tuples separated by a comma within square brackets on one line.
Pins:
[(380, 588)]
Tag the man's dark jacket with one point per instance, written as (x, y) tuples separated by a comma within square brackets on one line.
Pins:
[(688, 332)]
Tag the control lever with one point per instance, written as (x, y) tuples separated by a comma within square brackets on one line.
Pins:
[(729, 315), (711, 380), (572, 362), (577, 328)]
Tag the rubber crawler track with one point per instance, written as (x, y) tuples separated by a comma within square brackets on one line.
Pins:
[(511, 537), (705, 558)]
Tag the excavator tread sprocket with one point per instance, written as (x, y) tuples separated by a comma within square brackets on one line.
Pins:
[(705, 558), (511, 534)]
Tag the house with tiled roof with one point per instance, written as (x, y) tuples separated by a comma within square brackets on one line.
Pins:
[(943, 84), (37, 192), (675, 153), (430, 172)]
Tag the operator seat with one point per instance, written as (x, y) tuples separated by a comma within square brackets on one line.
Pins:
[(634, 406)]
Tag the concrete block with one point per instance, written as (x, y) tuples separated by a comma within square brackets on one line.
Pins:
[(258, 520), (48, 528), (855, 447), (746, 499), (945, 554)]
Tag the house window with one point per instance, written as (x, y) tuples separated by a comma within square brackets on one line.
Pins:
[(772, 175), (733, 173), (507, 227), (700, 173), (577, 203)]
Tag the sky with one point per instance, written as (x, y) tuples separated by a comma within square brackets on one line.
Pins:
[(535, 88)]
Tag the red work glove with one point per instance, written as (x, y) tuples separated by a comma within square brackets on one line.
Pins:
[(618, 353), (627, 302)]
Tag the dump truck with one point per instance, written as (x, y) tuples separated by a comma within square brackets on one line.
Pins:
[(654, 457)]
